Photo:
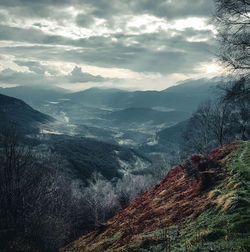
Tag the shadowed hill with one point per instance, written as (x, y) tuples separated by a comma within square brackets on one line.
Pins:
[(15, 111), (88, 155), (143, 115), (201, 205)]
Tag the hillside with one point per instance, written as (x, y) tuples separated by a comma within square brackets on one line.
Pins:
[(143, 115), (201, 205), (25, 118), (172, 134), (85, 155)]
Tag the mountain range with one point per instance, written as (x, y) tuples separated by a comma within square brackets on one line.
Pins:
[(97, 106)]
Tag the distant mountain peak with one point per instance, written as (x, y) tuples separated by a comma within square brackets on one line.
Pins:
[(203, 83)]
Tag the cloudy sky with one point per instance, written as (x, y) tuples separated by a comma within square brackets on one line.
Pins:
[(76, 44)]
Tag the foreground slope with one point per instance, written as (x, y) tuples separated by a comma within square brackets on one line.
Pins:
[(201, 204)]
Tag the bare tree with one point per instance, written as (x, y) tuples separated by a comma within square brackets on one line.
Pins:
[(35, 198), (238, 95), (160, 167), (210, 126), (232, 19), (101, 199), (130, 186), (221, 122), (15, 164), (198, 134)]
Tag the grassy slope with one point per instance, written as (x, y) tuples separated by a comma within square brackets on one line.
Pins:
[(185, 212)]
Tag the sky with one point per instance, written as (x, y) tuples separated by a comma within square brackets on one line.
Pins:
[(134, 44)]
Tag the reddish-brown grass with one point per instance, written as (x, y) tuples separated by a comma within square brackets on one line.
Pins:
[(184, 192)]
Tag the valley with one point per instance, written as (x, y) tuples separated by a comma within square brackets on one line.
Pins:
[(106, 152), (129, 118)]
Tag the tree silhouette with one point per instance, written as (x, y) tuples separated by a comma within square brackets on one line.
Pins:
[(232, 19)]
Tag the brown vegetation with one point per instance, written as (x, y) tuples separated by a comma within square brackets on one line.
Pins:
[(182, 193)]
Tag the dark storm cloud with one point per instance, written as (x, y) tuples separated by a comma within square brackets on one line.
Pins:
[(167, 9), (32, 3), (160, 8), (29, 35), (33, 8), (141, 59), (84, 20), (179, 55), (175, 9), (108, 8)]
